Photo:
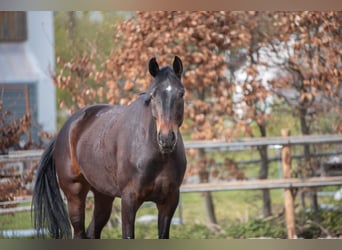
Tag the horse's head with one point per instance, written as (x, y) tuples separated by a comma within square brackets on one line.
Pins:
[(166, 100)]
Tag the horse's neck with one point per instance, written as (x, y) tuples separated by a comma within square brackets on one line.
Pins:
[(144, 119)]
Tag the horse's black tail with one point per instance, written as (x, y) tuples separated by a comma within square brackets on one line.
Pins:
[(48, 208)]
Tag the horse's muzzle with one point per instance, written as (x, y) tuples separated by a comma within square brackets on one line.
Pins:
[(167, 142)]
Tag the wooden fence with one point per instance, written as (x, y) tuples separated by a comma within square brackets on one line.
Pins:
[(285, 183), (266, 183), (263, 184)]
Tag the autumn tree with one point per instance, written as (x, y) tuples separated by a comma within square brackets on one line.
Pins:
[(253, 95), (82, 45), (310, 61), (12, 129), (201, 39), (305, 49)]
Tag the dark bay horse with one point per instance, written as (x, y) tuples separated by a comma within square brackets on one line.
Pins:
[(135, 152)]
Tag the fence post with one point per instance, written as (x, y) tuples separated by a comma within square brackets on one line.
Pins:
[(288, 197)]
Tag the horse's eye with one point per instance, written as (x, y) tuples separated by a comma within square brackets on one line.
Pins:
[(148, 99), (153, 93)]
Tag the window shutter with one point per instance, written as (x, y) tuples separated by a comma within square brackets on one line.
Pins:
[(13, 26)]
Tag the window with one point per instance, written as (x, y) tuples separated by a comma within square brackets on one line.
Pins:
[(13, 27), (20, 99)]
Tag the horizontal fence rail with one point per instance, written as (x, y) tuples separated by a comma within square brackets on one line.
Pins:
[(224, 186), (263, 141), (21, 155), (263, 184), (209, 144)]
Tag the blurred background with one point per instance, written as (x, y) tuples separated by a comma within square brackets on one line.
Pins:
[(247, 75)]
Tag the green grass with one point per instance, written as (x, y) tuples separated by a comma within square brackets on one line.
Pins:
[(238, 214), (15, 221)]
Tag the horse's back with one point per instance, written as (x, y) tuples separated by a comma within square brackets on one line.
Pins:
[(79, 121)]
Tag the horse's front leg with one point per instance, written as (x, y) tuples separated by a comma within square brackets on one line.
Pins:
[(129, 207), (166, 210)]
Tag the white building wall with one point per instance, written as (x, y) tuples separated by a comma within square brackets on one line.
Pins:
[(41, 46)]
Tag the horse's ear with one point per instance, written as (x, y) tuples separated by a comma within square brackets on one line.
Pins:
[(178, 66), (153, 67)]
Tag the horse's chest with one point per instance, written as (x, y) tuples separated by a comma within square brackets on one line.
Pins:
[(160, 188), (158, 181)]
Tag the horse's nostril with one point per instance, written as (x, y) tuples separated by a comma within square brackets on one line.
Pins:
[(172, 136), (161, 137)]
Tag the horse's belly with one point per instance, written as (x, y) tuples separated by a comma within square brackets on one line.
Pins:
[(101, 181), (98, 167)]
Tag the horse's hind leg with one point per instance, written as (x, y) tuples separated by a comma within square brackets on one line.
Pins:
[(102, 212), (76, 193)]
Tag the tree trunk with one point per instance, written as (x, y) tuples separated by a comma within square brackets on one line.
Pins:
[(307, 158), (204, 178), (209, 204), (71, 24), (263, 174)]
